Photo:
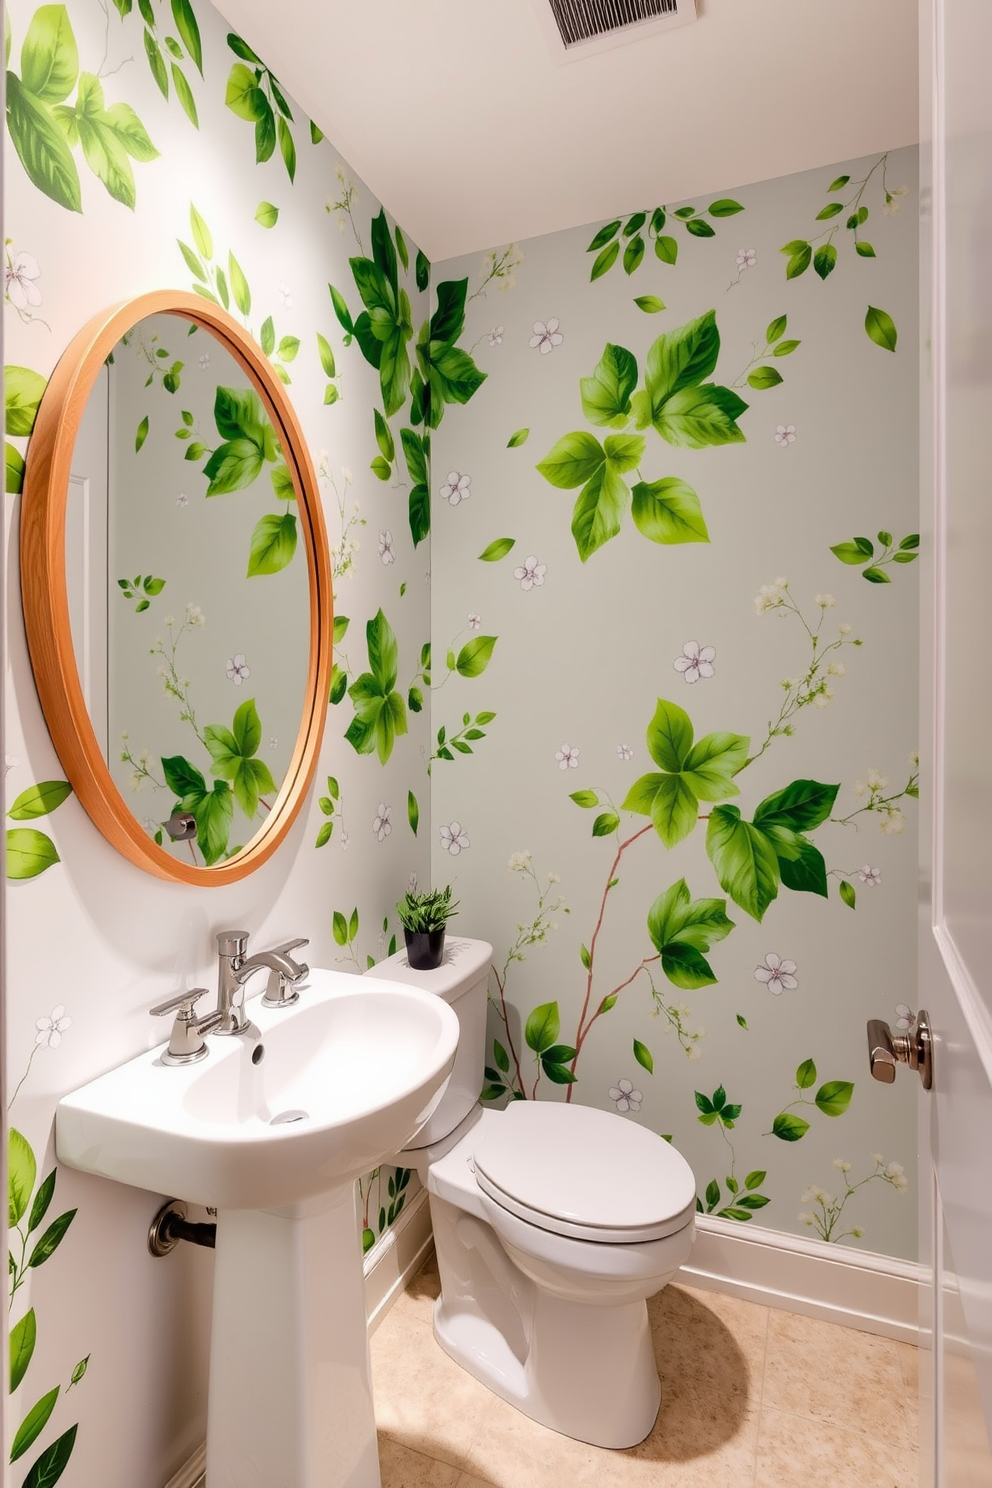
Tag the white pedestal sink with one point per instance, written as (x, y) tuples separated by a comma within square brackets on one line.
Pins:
[(272, 1132)]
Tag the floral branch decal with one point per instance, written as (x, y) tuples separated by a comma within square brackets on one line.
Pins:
[(638, 231), (766, 376), (684, 409), (801, 252), (832, 1099), (861, 550), (254, 94), (45, 128), (877, 799), (828, 1209)]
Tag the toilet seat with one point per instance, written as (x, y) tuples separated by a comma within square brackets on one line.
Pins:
[(585, 1173)]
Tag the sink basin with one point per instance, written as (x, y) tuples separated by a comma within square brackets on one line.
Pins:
[(334, 1084)]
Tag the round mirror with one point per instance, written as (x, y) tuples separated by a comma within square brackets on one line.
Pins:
[(176, 588)]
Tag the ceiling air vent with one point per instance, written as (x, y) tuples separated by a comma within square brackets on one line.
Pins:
[(584, 26)]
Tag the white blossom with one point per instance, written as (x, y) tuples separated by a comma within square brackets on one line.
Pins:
[(567, 757), (496, 336), (519, 861), (876, 780), (695, 661), (51, 1029), (892, 201), (237, 670), (844, 628), (785, 434), (825, 601), (625, 1097), (453, 838), (905, 1017), (182, 499), (546, 335), (386, 547), (869, 875), (530, 573), (746, 258), (382, 825), (456, 488), (474, 621), (195, 616), (18, 281), (777, 975), (625, 752), (204, 360), (842, 1165)]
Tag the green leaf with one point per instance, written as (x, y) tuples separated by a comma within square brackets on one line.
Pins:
[(599, 509), (876, 576), (156, 63), (541, 1028), (182, 14), (185, 94), (341, 310), (799, 262), (324, 835), (419, 513), (764, 377), (742, 1021), (669, 736), (265, 126), (633, 253), (834, 1097), (288, 347), (475, 656), (239, 285), (674, 809), (668, 511), (21, 1173), (182, 778), (832, 209), (675, 917), (825, 260), (422, 270), (573, 460), (282, 483), (273, 543), (864, 249), (383, 651), (605, 235), (267, 336), (806, 1074), (838, 185), (341, 623), (267, 216), (584, 798), (785, 348), (744, 860), (604, 262), (680, 359), (604, 824), (666, 249), (287, 147), (29, 852), (606, 394), (51, 1239), (881, 328), (232, 466), (34, 1423), (39, 800), (650, 304), (699, 228), (412, 812), (847, 893), (699, 417), (383, 437), (46, 1470), (49, 57), (42, 1199), (79, 1371), (789, 1128), (912, 541), (725, 207), (801, 806), (712, 1194), (634, 224), (558, 1073), (709, 766), (201, 234), (14, 476), (497, 550), (686, 967), (776, 329), (585, 957), (643, 1056), (23, 1336), (41, 148)]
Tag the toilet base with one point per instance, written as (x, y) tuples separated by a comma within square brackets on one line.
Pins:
[(587, 1372)]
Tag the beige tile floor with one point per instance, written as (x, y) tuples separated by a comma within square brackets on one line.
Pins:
[(751, 1397)]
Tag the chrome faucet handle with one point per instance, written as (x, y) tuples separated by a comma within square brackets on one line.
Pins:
[(290, 945), (186, 1042), (232, 942), (281, 990)]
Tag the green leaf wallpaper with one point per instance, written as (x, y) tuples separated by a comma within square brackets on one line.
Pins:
[(730, 708)]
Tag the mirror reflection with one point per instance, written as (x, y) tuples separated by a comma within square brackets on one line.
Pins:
[(188, 589)]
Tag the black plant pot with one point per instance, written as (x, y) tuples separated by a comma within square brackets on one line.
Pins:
[(424, 948)]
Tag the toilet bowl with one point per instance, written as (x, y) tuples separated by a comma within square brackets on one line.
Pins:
[(553, 1224)]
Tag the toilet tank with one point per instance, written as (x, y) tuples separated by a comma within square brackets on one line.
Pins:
[(462, 980)]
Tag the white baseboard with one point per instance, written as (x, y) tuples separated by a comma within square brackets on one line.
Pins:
[(874, 1293), (190, 1475)]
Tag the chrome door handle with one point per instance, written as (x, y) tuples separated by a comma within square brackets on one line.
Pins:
[(915, 1048)]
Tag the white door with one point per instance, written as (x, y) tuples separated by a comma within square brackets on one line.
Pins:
[(956, 867)]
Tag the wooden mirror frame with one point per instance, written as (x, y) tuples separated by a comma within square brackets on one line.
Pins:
[(45, 601)]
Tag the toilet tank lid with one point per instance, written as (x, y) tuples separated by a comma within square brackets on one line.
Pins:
[(464, 962), (589, 1167)]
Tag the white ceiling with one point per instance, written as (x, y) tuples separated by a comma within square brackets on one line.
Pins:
[(460, 119)]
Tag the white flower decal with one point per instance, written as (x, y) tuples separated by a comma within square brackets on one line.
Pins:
[(567, 757), (454, 838), (237, 670), (386, 547), (182, 499), (905, 1017), (204, 360), (625, 752), (519, 861), (892, 202), (18, 282), (625, 1097), (530, 573), (746, 258), (474, 621), (496, 336), (273, 742), (785, 434), (195, 616), (776, 974), (869, 875), (547, 336), (695, 661), (825, 601), (51, 1029), (285, 296), (382, 825), (456, 488)]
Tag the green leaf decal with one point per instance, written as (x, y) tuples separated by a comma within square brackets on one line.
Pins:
[(21, 1173), (14, 470), (34, 1423), (776, 329), (141, 435), (605, 261), (666, 249), (806, 1074), (23, 391), (412, 812), (239, 285), (605, 824), (605, 235), (801, 806), (668, 511), (834, 1097), (475, 656), (799, 261), (29, 852), (41, 148), (42, 1199), (23, 1336), (39, 800), (517, 439), (49, 57), (876, 576), (273, 543), (267, 216), (599, 510), (669, 736), (744, 860), (847, 894), (764, 377), (789, 1128), (825, 260), (633, 253), (881, 328), (643, 1056), (650, 304), (725, 207), (541, 1029), (606, 394), (185, 94), (51, 1239), (497, 550), (182, 14), (46, 1470), (572, 461)]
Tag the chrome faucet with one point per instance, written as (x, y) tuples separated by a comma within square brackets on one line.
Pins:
[(234, 969)]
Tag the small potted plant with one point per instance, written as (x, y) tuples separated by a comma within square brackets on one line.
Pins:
[(424, 917)]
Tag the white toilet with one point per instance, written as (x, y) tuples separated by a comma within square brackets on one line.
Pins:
[(553, 1225)]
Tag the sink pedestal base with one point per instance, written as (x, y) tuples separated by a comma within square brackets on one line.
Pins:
[(290, 1402)]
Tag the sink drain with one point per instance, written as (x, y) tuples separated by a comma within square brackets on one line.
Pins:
[(285, 1117)]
